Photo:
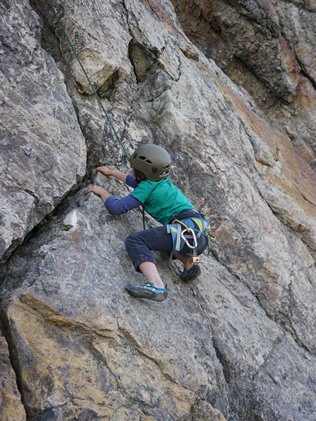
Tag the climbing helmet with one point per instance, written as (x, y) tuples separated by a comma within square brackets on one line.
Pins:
[(152, 160)]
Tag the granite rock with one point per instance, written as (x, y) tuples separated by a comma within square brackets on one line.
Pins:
[(238, 343)]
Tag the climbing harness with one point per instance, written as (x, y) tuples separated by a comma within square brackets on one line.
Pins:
[(185, 235)]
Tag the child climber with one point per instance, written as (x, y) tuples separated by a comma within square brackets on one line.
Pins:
[(184, 231)]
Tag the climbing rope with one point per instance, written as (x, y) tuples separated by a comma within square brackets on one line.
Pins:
[(95, 92), (84, 71)]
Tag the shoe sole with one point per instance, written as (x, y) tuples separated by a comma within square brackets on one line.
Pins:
[(138, 292)]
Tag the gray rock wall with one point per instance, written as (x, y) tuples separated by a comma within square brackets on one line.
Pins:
[(268, 47), (238, 343), (43, 152)]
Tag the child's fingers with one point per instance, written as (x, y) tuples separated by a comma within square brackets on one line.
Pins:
[(103, 170), (89, 190)]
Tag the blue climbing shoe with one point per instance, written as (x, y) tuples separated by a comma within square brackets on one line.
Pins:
[(191, 274), (148, 291)]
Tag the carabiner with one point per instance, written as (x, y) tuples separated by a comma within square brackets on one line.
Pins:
[(187, 241)]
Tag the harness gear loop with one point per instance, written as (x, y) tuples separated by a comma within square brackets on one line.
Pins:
[(182, 223), (208, 233)]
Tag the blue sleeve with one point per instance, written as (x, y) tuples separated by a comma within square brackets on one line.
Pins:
[(118, 206), (130, 181)]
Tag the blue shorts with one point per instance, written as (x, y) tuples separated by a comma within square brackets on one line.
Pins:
[(140, 244)]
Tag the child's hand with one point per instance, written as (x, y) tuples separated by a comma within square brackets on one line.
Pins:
[(117, 174), (104, 170), (99, 192), (94, 189)]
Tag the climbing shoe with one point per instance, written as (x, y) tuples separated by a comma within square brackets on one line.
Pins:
[(148, 290), (191, 274)]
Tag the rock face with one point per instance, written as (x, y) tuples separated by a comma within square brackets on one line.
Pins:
[(11, 408), (43, 151), (237, 344), (269, 48)]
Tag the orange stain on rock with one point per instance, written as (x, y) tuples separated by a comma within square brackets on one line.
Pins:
[(296, 178)]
